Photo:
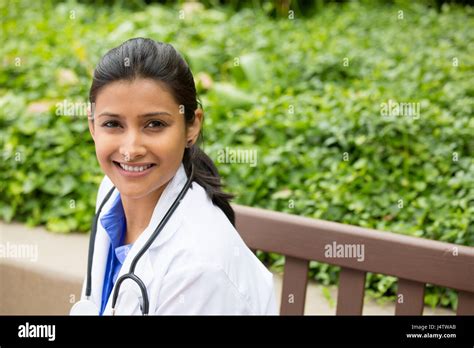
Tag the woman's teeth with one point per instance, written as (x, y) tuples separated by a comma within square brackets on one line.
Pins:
[(134, 168)]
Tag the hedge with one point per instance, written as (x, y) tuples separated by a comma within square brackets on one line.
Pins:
[(307, 94)]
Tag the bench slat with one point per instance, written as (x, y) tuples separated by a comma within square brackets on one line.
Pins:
[(350, 294), (439, 263), (410, 297), (465, 303), (295, 279)]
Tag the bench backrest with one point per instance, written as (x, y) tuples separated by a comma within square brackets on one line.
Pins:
[(414, 261)]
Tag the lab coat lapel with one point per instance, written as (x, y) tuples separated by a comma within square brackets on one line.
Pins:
[(101, 250), (127, 301)]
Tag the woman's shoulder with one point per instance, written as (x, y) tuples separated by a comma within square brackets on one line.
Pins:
[(208, 235), (204, 218), (206, 242)]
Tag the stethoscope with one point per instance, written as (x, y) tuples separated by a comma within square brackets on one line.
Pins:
[(87, 307)]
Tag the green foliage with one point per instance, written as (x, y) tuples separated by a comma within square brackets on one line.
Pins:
[(324, 150)]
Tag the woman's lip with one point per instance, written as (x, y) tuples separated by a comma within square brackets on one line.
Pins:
[(133, 174), (135, 164)]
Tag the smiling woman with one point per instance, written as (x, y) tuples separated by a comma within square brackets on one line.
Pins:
[(146, 127), (140, 138)]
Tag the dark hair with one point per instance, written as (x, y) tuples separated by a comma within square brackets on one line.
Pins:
[(146, 58)]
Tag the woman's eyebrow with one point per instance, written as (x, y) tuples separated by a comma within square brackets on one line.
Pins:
[(149, 114)]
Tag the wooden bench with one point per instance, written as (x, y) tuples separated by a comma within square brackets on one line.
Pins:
[(414, 261)]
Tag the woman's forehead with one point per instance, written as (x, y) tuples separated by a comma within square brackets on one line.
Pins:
[(139, 95)]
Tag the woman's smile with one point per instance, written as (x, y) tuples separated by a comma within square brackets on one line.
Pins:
[(134, 169)]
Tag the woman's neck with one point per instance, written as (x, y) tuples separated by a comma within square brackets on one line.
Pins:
[(138, 213)]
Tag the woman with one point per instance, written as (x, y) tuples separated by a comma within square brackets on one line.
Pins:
[(146, 126)]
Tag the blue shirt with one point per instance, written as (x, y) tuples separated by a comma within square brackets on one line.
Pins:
[(114, 223)]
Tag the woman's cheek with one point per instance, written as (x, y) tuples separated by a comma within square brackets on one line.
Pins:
[(171, 151), (103, 152)]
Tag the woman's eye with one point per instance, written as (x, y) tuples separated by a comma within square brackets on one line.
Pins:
[(109, 123), (156, 124), (151, 124)]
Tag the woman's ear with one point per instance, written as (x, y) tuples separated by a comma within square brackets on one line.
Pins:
[(90, 121), (195, 128)]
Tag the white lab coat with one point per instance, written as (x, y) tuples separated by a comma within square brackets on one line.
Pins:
[(198, 264)]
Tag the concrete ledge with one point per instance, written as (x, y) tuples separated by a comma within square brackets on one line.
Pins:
[(46, 277), (42, 272), (27, 292)]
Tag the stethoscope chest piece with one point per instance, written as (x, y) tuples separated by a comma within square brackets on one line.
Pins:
[(84, 307)]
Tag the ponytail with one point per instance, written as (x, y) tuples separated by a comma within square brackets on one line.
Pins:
[(206, 175)]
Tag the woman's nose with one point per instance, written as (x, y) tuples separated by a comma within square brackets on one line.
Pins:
[(132, 147)]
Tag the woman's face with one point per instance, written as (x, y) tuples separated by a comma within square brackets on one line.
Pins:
[(139, 124)]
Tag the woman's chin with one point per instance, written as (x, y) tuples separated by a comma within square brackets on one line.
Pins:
[(136, 190), (132, 192)]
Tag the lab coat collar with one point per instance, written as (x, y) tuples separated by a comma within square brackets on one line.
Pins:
[(164, 203), (129, 292), (114, 222)]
